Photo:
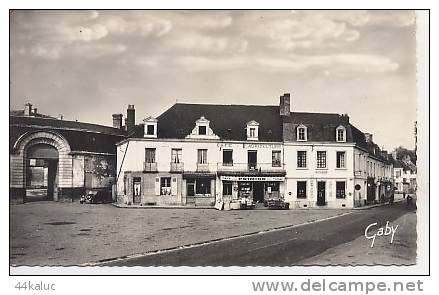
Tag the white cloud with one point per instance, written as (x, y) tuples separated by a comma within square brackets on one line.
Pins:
[(192, 41), (47, 52)]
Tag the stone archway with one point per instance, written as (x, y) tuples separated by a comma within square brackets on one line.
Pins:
[(60, 167)]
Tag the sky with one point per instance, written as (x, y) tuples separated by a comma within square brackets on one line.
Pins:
[(88, 65)]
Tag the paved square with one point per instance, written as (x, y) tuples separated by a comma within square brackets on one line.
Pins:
[(52, 233)]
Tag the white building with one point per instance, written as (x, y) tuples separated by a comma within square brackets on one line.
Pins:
[(198, 154), (404, 173)]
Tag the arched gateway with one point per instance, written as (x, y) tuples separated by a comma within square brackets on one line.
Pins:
[(41, 164)]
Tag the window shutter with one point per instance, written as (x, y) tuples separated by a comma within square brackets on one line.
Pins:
[(157, 186), (174, 186)]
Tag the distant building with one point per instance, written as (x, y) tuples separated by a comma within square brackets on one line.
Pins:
[(404, 173), (201, 154), (55, 159)]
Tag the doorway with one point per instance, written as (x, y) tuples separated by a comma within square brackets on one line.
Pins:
[(190, 192), (252, 160), (258, 192), (321, 193), (41, 173)]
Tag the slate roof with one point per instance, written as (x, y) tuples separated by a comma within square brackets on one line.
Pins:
[(320, 126), (81, 136), (229, 122)]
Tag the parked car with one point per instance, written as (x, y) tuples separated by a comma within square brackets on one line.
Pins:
[(277, 203), (95, 197)]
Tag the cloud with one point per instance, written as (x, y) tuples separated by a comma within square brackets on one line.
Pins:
[(192, 41), (44, 51), (333, 64)]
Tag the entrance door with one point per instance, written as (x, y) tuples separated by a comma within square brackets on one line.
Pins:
[(258, 191), (137, 190), (252, 160), (190, 192), (321, 193)]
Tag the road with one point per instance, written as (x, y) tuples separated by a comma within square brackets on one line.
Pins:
[(284, 247)]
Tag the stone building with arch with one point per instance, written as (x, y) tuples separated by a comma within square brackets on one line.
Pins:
[(59, 160)]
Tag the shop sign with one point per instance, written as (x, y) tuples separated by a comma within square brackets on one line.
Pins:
[(253, 178)]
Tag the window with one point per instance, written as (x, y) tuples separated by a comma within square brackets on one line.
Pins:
[(202, 156), (301, 159), (149, 155), (340, 189), (301, 133), (150, 129), (202, 186), (228, 157), (252, 132), (227, 188), (321, 159), (340, 134), (301, 189), (202, 130), (275, 159), (341, 160), (165, 186), (398, 173), (176, 155)]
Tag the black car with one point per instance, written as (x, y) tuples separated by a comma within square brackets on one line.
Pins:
[(95, 197)]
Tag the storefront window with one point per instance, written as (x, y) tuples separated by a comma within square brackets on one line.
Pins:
[(165, 185), (244, 189), (271, 187), (227, 188), (202, 186)]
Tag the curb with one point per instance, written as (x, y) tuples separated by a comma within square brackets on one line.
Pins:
[(104, 261), (375, 205)]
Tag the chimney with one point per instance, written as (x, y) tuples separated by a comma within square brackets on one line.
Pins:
[(284, 105), (35, 111), (117, 121), (368, 137), (345, 117), (60, 117), (130, 121), (28, 109)]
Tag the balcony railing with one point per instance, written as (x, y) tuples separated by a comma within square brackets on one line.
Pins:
[(202, 167), (177, 167), (250, 167), (149, 167)]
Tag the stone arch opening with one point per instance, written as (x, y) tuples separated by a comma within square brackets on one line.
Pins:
[(45, 163)]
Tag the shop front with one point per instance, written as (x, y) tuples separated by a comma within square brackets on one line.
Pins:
[(256, 188), (199, 189)]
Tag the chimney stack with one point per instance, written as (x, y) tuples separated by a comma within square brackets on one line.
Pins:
[(284, 105), (28, 109), (368, 137), (35, 111), (130, 120), (117, 121), (345, 117)]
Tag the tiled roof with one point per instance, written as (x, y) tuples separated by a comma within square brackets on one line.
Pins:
[(80, 136), (229, 122)]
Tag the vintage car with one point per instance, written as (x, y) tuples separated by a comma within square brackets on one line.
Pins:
[(276, 203), (95, 197)]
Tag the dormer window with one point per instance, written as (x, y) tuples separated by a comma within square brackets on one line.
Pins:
[(252, 130), (340, 134), (302, 134), (150, 127), (202, 130)]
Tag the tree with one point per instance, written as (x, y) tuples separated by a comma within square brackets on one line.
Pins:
[(402, 153)]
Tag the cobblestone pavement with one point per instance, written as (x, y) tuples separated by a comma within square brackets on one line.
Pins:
[(52, 233)]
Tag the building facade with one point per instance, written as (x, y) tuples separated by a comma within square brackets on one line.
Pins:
[(56, 159), (199, 155), (404, 173)]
